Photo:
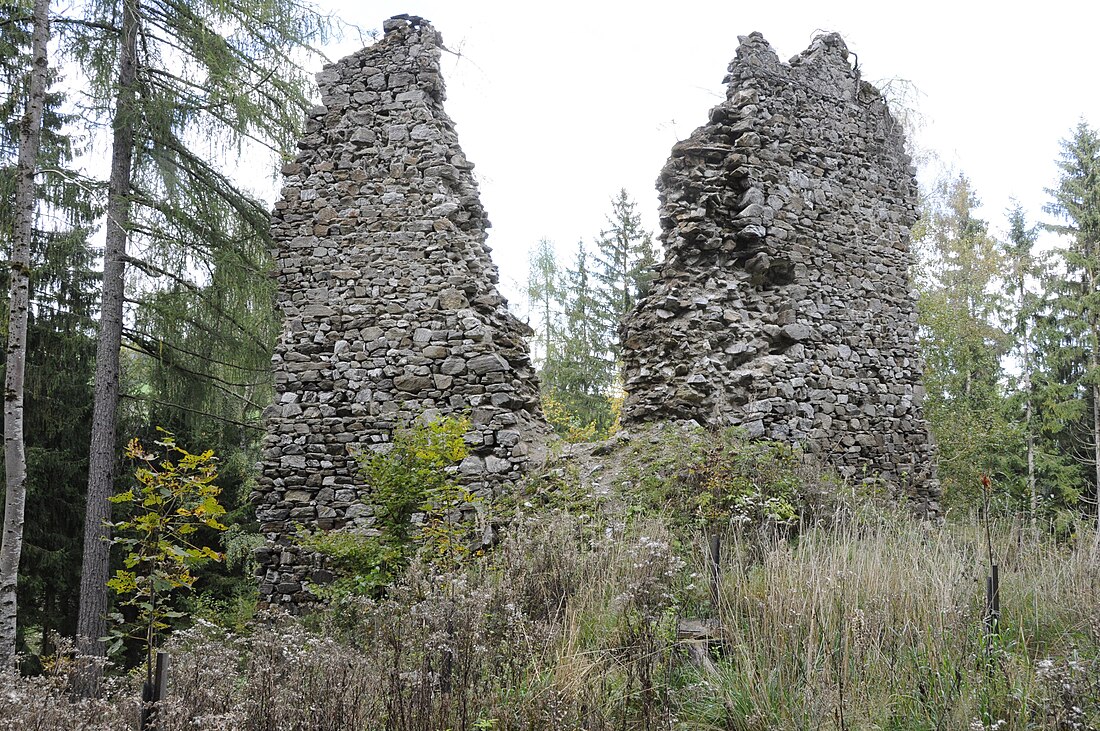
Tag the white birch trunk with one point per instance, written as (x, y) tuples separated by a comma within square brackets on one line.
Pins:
[(15, 465)]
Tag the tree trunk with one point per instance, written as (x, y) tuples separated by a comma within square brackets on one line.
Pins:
[(15, 463), (1096, 441), (91, 620), (1094, 361), (1032, 489)]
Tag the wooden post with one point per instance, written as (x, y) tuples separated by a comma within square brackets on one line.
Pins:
[(154, 693), (992, 601), (715, 568)]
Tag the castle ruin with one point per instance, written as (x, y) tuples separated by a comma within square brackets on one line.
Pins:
[(784, 304), (389, 304)]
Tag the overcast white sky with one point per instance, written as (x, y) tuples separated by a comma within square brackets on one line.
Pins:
[(560, 104)]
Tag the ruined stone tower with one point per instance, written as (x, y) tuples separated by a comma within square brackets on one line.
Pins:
[(389, 304), (784, 303)]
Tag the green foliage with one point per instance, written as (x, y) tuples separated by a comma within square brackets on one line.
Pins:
[(412, 479), (404, 479), (856, 625), (1073, 292), (580, 391), (544, 295), (624, 258), (175, 496), (363, 565), (732, 481), (60, 341), (577, 376), (961, 342), (569, 423), (718, 480)]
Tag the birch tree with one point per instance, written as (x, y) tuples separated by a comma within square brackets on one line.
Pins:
[(15, 464)]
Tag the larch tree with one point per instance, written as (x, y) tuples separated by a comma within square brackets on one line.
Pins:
[(1076, 202), (15, 465), (544, 295), (187, 88)]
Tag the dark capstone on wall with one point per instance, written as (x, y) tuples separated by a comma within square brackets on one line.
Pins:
[(784, 303), (389, 304)]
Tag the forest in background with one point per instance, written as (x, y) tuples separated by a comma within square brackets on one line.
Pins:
[(154, 276)]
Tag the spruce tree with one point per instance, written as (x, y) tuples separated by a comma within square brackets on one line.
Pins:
[(577, 376), (624, 261), (959, 308), (1076, 203), (1022, 269)]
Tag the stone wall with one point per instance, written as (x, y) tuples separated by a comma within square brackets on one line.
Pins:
[(784, 303), (389, 304)]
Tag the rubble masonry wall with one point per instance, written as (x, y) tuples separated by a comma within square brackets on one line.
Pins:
[(784, 304), (389, 304)]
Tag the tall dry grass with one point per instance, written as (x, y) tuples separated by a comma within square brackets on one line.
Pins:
[(872, 623), (881, 626)]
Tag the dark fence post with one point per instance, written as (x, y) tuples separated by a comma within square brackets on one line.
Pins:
[(715, 568), (992, 601), (153, 694)]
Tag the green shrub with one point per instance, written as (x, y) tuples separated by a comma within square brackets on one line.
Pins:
[(418, 506)]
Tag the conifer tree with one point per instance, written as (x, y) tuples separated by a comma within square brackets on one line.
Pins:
[(1021, 270), (577, 374), (959, 307), (1048, 481), (624, 260), (185, 85), (1076, 297), (22, 233), (544, 295), (580, 367), (62, 291)]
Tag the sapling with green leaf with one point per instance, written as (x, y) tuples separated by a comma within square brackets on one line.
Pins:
[(417, 505), (174, 498)]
